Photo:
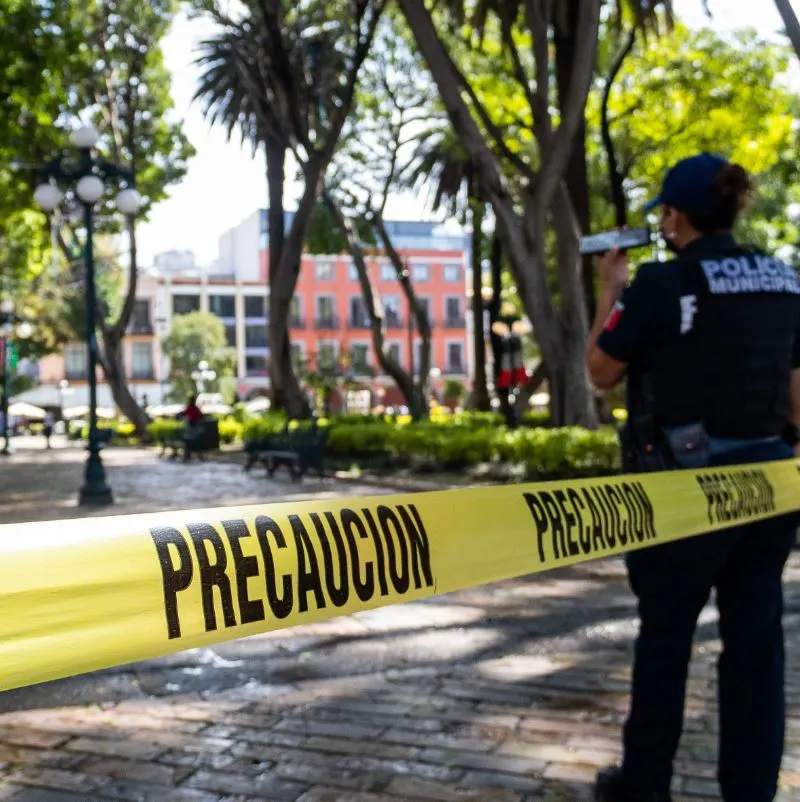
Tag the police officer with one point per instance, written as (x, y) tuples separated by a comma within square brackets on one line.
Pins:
[(710, 344)]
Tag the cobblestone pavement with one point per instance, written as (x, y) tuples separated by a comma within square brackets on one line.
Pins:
[(38, 485), (504, 693)]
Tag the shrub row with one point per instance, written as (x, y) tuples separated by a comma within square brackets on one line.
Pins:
[(564, 452), (163, 430)]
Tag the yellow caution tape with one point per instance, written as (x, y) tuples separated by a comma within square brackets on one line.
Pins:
[(89, 594)]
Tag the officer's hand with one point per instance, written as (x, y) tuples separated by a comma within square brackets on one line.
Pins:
[(612, 268)]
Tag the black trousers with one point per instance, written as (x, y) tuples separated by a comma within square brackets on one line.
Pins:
[(673, 582)]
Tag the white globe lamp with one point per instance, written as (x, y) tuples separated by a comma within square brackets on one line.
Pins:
[(128, 201), (47, 196), (90, 189), (85, 137)]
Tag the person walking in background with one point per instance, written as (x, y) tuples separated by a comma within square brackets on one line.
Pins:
[(710, 344), (49, 422)]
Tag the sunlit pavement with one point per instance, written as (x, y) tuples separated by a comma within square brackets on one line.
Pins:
[(514, 691)]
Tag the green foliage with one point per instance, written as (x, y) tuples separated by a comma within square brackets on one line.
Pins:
[(465, 441), (701, 90), (56, 60), (193, 338), (162, 430), (230, 431), (454, 389)]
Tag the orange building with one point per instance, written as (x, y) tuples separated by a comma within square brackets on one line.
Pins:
[(328, 319)]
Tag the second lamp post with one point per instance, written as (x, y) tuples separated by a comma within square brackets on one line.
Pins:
[(90, 174)]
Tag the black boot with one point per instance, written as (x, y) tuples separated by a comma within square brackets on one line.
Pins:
[(611, 787)]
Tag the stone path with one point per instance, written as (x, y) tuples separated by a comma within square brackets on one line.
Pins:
[(504, 693)]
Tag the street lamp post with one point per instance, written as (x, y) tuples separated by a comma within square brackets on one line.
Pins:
[(10, 325), (202, 375), (90, 174)]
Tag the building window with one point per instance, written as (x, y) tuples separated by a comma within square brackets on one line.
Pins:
[(359, 319), (388, 273), (326, 356), (455, 357), (141, 360), (452, 313), (421, 273), (452, 273), (393, 349), (140, 318), (222, 305), (75, 361), (352, 271), (184, 304), (359, 358), (324, 270), (295, 314), (255, 306), (255, 366), (230, 336), (255, 336), (391, 311), (326, 315)]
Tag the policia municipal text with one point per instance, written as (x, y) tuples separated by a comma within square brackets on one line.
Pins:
[(710, 344)]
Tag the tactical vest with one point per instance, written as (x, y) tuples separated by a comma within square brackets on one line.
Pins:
[(730, 366)]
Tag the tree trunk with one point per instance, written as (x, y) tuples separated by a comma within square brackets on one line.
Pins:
[(110, 355), (276, 224), (569, 380), (420, 394), (576, 174), (480, 392), (523, 231), (496, 259), (114, 370), (618, 199), (374, 308), (790, 22)]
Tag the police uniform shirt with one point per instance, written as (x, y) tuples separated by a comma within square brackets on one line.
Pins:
[(716, 331)]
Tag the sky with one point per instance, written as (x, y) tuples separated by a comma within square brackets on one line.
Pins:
[(225, 182)]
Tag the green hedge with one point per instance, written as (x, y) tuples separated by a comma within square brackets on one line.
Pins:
[(459, 444), (162, 430)]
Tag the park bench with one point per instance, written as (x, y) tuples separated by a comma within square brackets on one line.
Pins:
[(198, 439), (297, 449)]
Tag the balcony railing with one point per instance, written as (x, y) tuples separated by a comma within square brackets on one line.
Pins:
[(143, 375), (454, 323), (393, 321), (455, 369), (359, 323), (296, 322), (328, 323), (75, 374)]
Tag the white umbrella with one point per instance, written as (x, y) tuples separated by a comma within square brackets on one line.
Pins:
[(259, 404), (22, 409), (164, 410), (83, 412), (216, 409)]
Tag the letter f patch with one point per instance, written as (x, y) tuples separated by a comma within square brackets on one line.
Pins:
[(688, 311)]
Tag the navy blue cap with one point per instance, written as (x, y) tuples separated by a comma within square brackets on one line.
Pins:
[(689, 185)]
